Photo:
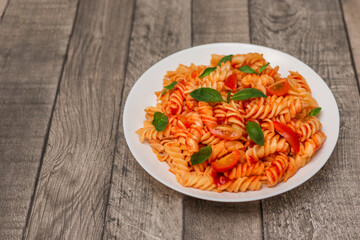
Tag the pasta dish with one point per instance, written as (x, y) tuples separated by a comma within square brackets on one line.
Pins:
[(233, 125)]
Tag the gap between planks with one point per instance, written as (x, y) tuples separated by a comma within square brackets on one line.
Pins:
[(118, 118), (352, 33), (50, 120), (3, 6)]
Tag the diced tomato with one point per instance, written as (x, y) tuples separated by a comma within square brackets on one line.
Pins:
[(231, 81), (174, 110), (220, 121), (226, 132), (210, 124), (226, 163), (219, 178), (278, 88), (288, 134)]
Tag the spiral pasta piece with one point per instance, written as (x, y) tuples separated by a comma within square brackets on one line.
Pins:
[(256, 81), (195, 131), (206, 113), (246, 183), (277, 169), (246, 170), (274, 106), (197, 181), (178, 158), (149, 132), (296, 78), (272, 144), (308, 128), (307, 150), (176, 100)]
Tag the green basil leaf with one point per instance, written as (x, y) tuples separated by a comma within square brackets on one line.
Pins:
[(225, 59), (169, 87), (315, 111), (247, 69), (207, 72), (228, 96), (201, 156), (263, 68), (247, 93), (254, 131), (206, 94), (160, 121)]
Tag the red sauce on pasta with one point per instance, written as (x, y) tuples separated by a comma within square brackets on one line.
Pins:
[(219, 178)]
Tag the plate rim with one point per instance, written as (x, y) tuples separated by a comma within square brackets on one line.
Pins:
[(289, 188)]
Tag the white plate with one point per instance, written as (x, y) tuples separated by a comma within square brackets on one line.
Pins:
[(142, 95)]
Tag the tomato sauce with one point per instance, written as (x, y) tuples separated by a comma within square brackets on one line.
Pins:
[(219, 178)]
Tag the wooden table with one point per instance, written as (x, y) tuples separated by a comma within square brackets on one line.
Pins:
[(66, 68)]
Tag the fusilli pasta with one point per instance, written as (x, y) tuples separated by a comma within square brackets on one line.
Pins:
[(191, 125)]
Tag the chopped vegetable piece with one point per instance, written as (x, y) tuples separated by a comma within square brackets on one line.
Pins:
[(288, 134), (226, 163), (279, 88), (231, 81), (226, 132)]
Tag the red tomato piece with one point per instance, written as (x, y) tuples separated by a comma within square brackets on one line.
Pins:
[(231, 81), (278, 88), (210, 124), (174, 110), (220, 121), (226, 132), (226, 163), (288, 134), (219, 179)]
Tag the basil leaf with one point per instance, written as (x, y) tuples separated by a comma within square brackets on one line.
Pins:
[(201, 156), (263, 68), (206, 94), (247, 69), (169, 87), (247, 93), (254, 131), (160, 121), (315, 111), (225, 59), (207, 72), (228, 96)]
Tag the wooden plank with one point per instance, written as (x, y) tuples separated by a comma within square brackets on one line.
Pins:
[(3, 5), (221, 21), (140, 207), (327, 206), (72, 191), (351, 14), (214, 220), (34, 36)]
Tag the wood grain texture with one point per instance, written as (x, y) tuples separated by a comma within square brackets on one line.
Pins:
[(72, 191), (351, 14), (34, 36), (214, 220), (140, 207), (220, 21), (326, 206), (3, 5)]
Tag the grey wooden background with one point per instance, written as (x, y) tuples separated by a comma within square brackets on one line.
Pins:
[(66, 68)]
